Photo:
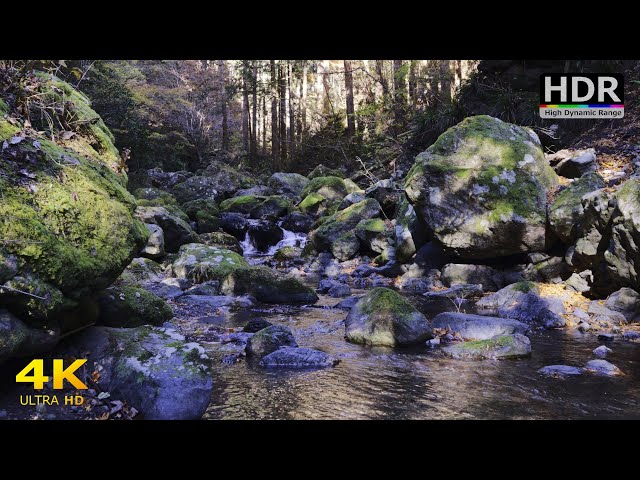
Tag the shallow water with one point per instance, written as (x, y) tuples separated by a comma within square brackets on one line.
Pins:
[(418, 383)]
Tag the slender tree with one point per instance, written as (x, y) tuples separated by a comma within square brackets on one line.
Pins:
[(399, 95), (222, 66), (348, 84), (282, 95), (292, 116), (445, 81), (254, 107), (275, 134), (245, 108)]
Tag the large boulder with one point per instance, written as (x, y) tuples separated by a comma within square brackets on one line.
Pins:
[(339, 229), (129, 306), (372, 234), (462, 273), (565, 213), (234, 224), (204, 212), (272, 208), (498, 347), (298, 358), (196, 188), (200, 263), (154, 369), (323, 194), (297, 222), (67, 226), (625, 301), (222, 240), (477, 327), (155, 243), (287, 184), (410, 231), (265, 234), (267, 286), (482, 189), (270, 339), (382, 317), (176, 231), (228, 179), (241, 204)]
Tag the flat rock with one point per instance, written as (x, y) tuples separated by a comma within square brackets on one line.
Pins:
[(298, 358), (500, 346), (602, 367), (560, 370), (477, 327)]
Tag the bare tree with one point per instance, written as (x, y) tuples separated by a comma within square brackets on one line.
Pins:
[(348, 83), (275, 134)]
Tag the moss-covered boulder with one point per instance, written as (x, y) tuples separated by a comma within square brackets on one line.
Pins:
[(267, 286), (498, 347), (66, 218), (176, 231), (314, 204), (287, 253), (196, 188), (139, 271), (382, 317), (153, 369), (372, 234), (322, 171), (566, 210), (339, 229), (482, 189), (202, 205), (410, 232), (129, 306), (228, 179), (200, 263), (17, 339), (287, 184), (222, 240), (272, 208), (269, 340), (154, 197), (331, 188), (241, 204)]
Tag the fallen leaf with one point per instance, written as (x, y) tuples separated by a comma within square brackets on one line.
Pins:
[(95, 376)]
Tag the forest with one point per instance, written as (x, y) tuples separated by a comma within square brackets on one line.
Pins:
[(315, 239)]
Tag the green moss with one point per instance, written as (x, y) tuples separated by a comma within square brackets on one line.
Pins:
[(372, 225), (4, 108), (488, 344), (7, 130), (381, 259), (202, 205), (130, 306), (287, 253), (267, 286), (241, 204), (310, 201), (525, 287), (332, 188), (382, 300), (200, 263)]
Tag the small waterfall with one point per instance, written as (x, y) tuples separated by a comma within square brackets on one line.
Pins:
[(289, 239)]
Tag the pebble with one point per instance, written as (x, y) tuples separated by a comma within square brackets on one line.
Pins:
[(606, 337), (433, 342), (602, 351)]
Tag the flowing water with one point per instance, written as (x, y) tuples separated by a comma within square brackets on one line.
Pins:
[(289, 239), (418, 383)]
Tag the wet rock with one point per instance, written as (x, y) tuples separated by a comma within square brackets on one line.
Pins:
[(128, 306), (602, 351), (560, 371), (606, 337), (234, 224), (602, 367), (297, 222), (298, 358), (625, 301), (631, 336), (176, 231), (265, 234), (272, 208), (457, 291), (574, 163), (255, 325), (348, 303), (287, 184), (501, 346), (141, 271), (222, 240), (382, 317), (154, 369), (269, 340), (351, 199), (339, 291), (155, 243), (477, 327), (199, 263), (460, 273), (267, 286), (286, 254), (481, 189)]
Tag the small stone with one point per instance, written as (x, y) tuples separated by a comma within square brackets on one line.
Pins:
[(584, 327), (601, 351), (606, 337), (581, 314), (560, 370), (339, 291), (602, 367), (433, 343), (631, 336)]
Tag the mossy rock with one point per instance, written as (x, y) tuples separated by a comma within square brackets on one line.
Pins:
[(129, 306), (382, 317), (203, 205), (196, 188), (272, 208), (141, 270), (267, 286), (500, 346), (269, 340), (331, 188), (287, 253), (287, 184), (566, 211), (241, 204), (177, 230), (352, 186), (482, 189), (322, 171), (313, 204), (155, 195), (222, 240), (200, 263)]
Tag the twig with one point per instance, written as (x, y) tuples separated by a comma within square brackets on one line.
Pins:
[(20, 291)]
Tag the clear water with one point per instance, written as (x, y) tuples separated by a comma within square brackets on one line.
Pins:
[(289, 239), (381, 383)]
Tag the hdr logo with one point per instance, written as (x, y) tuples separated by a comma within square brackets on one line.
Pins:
[(582, 95)]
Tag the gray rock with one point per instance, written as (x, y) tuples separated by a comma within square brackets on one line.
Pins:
[(606, 314), (602, 351), (348, 303), (128, 306), (551, 270), (477, 327), (606, 337), (410, 232), (351, 199), (298, 358), (154, 369), (581, 314), (234, 224), (625, 301), (297, 222), (602, 367), (501, 346), (196, 188), (155, 243), (414, 281), (457, 291), (200, 263), (461, 273), (339, 291), (382, 317), (211, 287), (269, 340), (584, 326), (579, 282), (176, 231), (162, 290), (267, 286), (287, 184), (388, 194), (631, 336), (575, 163), (560, 371), (265, 234), (256, 324)]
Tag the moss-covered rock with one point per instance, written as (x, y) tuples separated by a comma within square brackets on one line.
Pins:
[(566, 210), (228, 179), (500, 346), (241, 204), (66, 218), (222, 240), (272, 208), (196, 188), (176, 231), (373, 234), (269, 340), (341, 226), (288, 184), (481, 188), (154, 197), (139, 271), (200, 263), (267, 286), (382, 317), (287, 253), (331, 188), (202, 205), (129, 306), (313, 204), (322, 171), (410, 231)]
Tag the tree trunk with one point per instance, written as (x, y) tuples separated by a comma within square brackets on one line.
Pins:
[(399, 95), (292, 116), (434, 75), (303, 100), (282, 87), (458, 73), (245, 108), (348, 84), (413, 83), (445, 81), (264, 126), (222, 65), (382, 79), (275, 135), (254, 107)]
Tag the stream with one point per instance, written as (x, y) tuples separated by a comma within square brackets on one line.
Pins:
[(418, 383)]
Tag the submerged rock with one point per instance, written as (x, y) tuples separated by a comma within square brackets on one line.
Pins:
[(269, 340), (560, 371), (602, 367), (602, 351), (298, 358), (481, 188), (477, 327), (382, 317), (501, 346)]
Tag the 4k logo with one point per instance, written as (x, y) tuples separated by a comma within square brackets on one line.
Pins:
[(60, 374), (582, 95)]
